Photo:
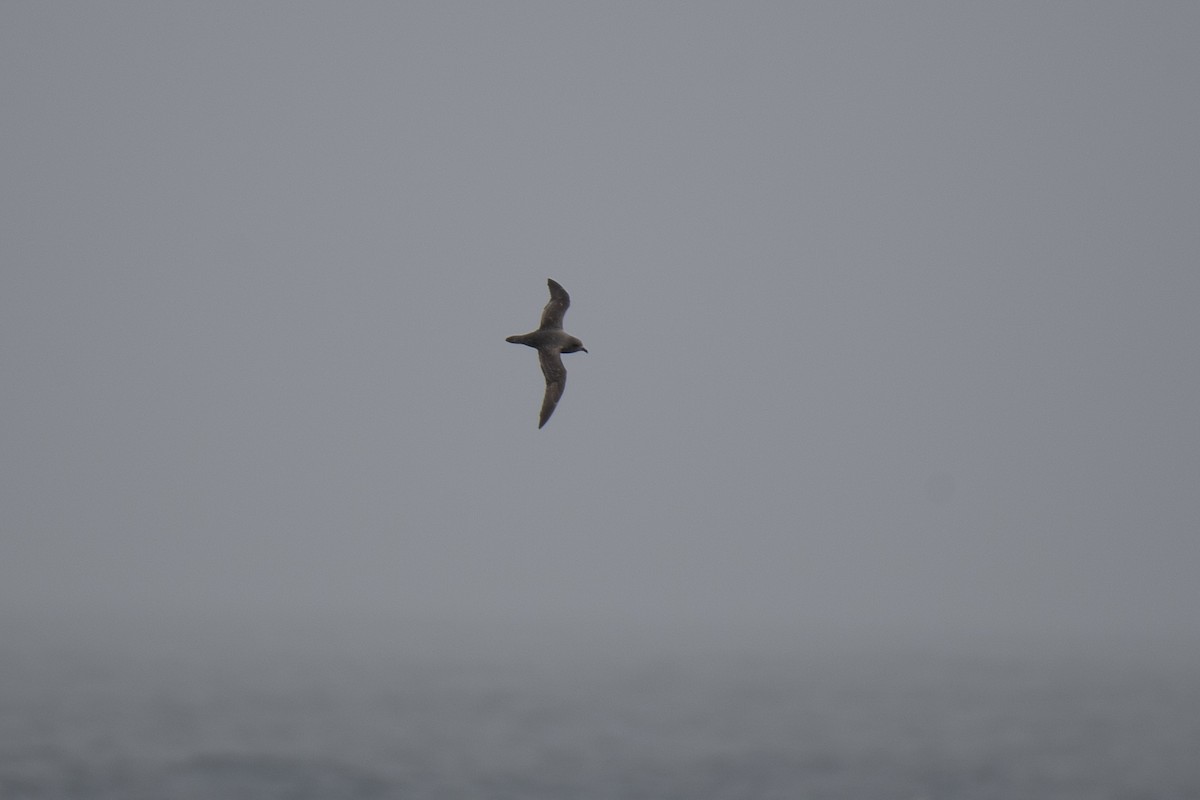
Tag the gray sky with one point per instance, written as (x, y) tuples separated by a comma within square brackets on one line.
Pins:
[(891, 310)]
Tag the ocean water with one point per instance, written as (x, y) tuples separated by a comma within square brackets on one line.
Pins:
[(742, 725)]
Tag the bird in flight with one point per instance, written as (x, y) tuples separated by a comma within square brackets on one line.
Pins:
[(551, 341)]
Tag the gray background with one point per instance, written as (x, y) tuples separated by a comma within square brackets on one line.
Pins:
[(892, 312)]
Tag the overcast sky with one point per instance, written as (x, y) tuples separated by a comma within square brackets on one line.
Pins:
[(892, 312)]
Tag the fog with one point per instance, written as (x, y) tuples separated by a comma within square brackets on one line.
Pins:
[(891, 313)]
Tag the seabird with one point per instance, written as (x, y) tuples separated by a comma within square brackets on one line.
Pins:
[(551, 341)]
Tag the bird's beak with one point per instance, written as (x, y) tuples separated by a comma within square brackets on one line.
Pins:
[(584, 349)]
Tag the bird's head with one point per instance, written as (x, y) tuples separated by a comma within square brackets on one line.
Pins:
[(574, 346)]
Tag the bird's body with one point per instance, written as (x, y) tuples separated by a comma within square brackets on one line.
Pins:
[(551, 341)]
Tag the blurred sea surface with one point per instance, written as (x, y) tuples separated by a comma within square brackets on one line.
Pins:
[(867, 725)]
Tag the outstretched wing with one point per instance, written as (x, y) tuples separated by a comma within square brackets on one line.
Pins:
[(560, 301), (556, 381)]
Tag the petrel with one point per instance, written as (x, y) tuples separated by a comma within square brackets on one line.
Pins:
[(551, 341)]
